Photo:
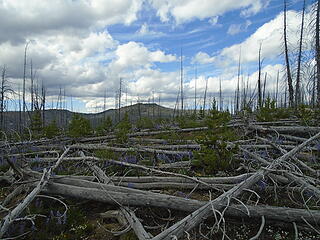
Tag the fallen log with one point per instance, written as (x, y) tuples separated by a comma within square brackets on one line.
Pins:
[(296, 160), (161, 141), (132, 149), (149, 133), (281, 214), (132, 219), (8, 220), (286, 129), (204, 212)]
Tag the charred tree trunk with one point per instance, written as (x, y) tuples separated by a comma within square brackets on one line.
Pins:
[(181, 81), (286, 51), (119, 107), (205, 97), (259, 81), (238, 83), (298, 90), (318, 52)]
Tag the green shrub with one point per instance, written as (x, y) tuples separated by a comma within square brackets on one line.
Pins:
[(307, 115), (105, 126), (269, 112), (215, 154), (145, 123), (36, 124), (188, 122), (79, 126), (51, 130), (122, 129)]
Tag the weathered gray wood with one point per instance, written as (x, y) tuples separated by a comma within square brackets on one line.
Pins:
[(281, 214), (286, 129), (131, 149), (127, 198), (127, 212), (6, 222), (209, 180), (267, 146), (255, 156), (202, 213), (205, 211), (161, 141), (304, 184), (148, 133), (181, 164), (296, 160), (171, 147), (293, 138)]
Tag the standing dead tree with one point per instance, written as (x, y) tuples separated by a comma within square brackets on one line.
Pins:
[(238, 84), (317, 49), (24, 81), (298, 90), (205, 96), (4, 90), (259, 79), (119, 106), (181, 81), (286, 52), (195, 89)]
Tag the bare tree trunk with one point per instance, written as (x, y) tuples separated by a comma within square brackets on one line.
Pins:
[(238, 83), (195, 90), (205, 97), (298, 90), (264, 88), (20, 114), (259, 80), (289, 78), (220, 96), (104, 104), (277, 89), (24, 81), (3, 80), (119, 107), (318, 52), (43, 90), (181, 81), (31, 87)]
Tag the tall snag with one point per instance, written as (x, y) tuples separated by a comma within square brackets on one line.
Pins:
[(4, 90), (298, 90), (259, 80), (289, 78), (318, 52)]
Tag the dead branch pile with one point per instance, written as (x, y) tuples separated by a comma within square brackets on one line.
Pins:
[(279, 161)]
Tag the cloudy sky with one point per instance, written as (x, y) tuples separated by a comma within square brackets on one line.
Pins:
[(85, 46)]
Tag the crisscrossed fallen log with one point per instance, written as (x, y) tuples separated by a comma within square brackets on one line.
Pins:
[(197, 216), (295, 159), (187, 205), (286, 129), (126, 211), (9, 219), (148, 133), (132, 149)]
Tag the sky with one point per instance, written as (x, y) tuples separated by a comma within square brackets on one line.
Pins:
[(84, 47)]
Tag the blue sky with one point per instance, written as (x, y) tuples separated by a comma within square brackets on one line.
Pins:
[(86, 46)]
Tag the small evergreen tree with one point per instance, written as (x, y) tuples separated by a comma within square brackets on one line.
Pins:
[(122, 129), (105, 126), (215, 154), (51, 130), (36, 124), (79, 126)]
